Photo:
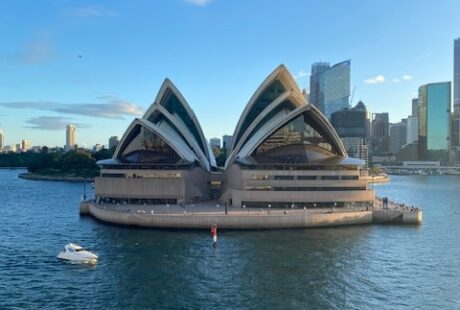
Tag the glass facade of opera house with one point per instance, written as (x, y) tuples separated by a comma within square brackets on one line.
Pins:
[(284, 154)]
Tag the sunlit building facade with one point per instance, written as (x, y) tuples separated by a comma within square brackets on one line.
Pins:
[(285, 153), (163, 157), (70, 137)]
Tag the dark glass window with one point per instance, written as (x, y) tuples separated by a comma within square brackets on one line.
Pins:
[(329, 177), (299, 141), (284, 177), (144, 146), (174, 106), (306, 177), (161, 118), (268, 96), (287, 105), (350, 177)]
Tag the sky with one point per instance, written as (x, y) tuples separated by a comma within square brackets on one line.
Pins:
[(99, 64)]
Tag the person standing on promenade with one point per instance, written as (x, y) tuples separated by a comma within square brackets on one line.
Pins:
[(214, 235)]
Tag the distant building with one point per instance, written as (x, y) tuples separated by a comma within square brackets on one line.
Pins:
[(10, 148), (380, 133), (316, 96), (415, 107), (71, 140), (215, 143), (97, 147), (356, 147), (113, 142), (227, 142), (398, 135), (434, 121), (351, 122), (408, 152), (352, 126), (412, 129), (2, 139), (456, 114), (25, 145), (335, 86)]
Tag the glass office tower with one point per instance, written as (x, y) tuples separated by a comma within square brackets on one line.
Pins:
[(456, 114), (316, 95), (335, 86), (434, 120)]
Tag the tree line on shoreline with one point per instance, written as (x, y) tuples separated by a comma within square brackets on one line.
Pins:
[(75, 163)]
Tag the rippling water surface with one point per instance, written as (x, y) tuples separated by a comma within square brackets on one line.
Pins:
[(359, 267)]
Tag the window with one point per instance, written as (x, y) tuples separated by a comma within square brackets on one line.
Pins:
[(144, 146), (175, 107), (268, 96), (306, 177), (299, 141)]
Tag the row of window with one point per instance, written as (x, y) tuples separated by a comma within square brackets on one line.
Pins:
[(309, 205), (134, 201), (304, 177), (147, 176), (303, 188)]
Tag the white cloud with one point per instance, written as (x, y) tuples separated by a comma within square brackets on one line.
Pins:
[(91, 11), (375, 80), (52, 123), (198, 2), (302, 73), (407, 77), (112, 107)]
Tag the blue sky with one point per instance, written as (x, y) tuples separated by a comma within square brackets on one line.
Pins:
[(99, 64)]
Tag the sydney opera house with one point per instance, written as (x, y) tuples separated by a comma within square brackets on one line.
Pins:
[(285, 153)]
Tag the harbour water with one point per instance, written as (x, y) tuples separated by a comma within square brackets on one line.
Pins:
[(358, 267)]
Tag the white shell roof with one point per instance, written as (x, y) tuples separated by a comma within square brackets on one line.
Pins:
[(261, 128), (187, 140)]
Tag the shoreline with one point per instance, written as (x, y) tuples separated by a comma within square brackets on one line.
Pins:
[(53, 178)]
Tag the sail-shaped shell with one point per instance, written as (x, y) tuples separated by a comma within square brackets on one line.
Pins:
[(276, 103)]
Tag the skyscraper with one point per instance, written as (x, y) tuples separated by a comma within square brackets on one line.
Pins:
[(457, 75), (412, 129), (227, 141), (380, 137), (113, 141), (70, 137), (434, 120), (335, 86), (351, 122), (2, 139), (456, 114), (25, 145), (316, 96), (415, 107), (398, 136)]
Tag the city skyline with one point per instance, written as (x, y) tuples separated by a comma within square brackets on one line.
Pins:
[(56, 75)]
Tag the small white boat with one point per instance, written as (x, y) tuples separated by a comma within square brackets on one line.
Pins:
[(75, 253)]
